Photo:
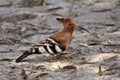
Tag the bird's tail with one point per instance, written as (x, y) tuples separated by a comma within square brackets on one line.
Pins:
[(24, 55), (37, 49)]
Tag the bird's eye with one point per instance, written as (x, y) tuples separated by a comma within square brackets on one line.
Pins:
[(70, 24)]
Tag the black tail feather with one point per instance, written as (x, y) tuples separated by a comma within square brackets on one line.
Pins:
[(24, 55)]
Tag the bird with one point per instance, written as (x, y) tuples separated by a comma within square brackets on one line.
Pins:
[(56, 43)]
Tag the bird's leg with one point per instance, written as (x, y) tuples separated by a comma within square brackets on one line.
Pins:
[(58, 56)]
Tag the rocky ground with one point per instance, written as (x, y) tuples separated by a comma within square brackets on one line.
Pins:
[(92, 56)]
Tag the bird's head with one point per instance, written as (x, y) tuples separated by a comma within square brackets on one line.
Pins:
[(69, 22)]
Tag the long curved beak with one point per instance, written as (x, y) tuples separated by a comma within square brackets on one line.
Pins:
[(81, 28)]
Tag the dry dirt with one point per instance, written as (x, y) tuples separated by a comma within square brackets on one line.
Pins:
[(92, 56)]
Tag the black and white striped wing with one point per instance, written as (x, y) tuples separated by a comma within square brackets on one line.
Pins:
[(51, 46), (47, 48)]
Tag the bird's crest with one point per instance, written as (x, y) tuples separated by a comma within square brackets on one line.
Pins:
[(66, 21)]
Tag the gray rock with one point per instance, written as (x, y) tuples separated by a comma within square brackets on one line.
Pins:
[(104, 6), (88, 2)]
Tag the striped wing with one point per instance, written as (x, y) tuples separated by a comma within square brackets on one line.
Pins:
[(50, 46), (47, 48)]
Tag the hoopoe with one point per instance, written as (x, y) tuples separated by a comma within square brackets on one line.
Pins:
[(56, 43)]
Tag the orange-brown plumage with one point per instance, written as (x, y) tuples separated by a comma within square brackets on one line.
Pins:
[(65, 36)]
